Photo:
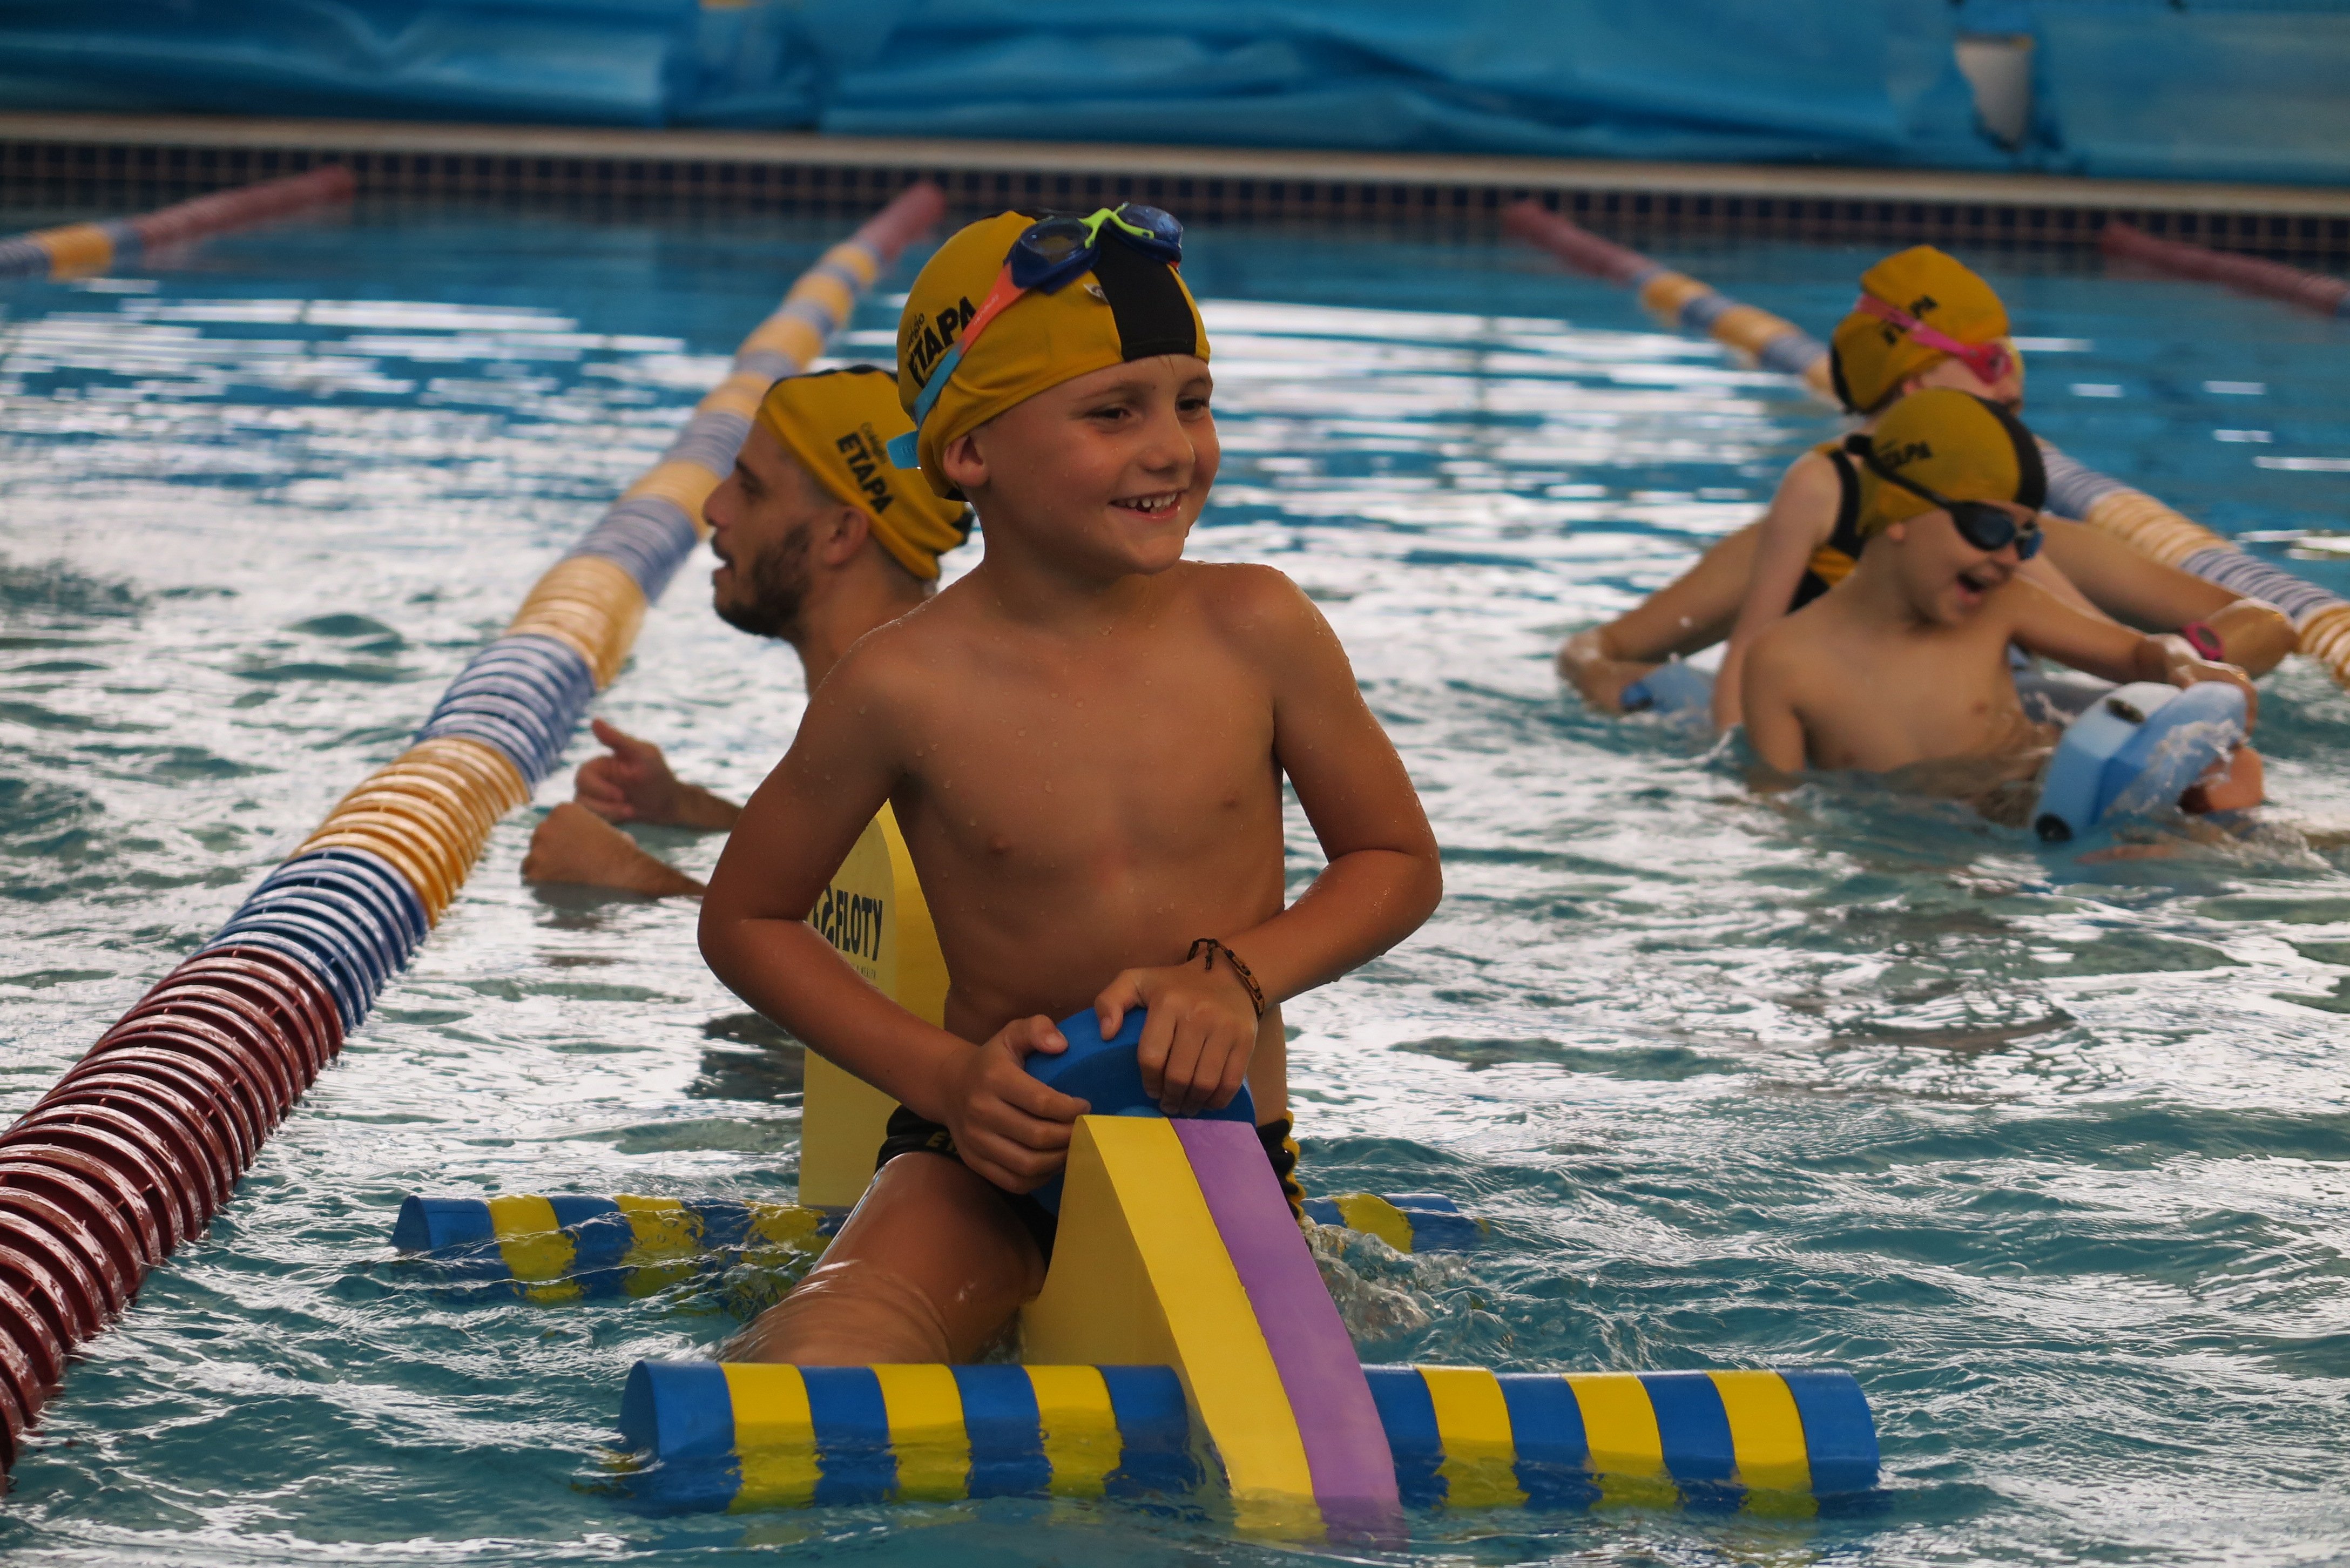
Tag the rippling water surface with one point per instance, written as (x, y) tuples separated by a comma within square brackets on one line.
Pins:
[(2053, 1156)]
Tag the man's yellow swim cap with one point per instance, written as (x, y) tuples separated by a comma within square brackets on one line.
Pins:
[(1953, 443), (1870, 357), (1129, 307), (839, 425)]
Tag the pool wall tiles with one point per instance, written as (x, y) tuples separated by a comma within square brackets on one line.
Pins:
[(841, 177)]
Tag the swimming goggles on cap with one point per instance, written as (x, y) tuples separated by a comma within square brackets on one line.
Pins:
[(1987, 361), (1982, 523), (1048, 254)]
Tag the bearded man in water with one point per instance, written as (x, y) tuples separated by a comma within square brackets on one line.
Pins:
[(819, 540)]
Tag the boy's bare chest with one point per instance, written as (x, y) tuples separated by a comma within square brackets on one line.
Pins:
[(1939, 693), (1087, 766)]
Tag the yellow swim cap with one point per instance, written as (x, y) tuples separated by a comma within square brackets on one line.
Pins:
[(1953, 443), (839, 425), (1129, 307), (1870, 357)]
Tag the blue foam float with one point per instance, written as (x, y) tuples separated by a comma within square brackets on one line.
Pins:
[(340, 956), (556, 664), (2135, 753), (1671, 690), (359, 898), (343, 933), (513, 701), (710, 439), (1107, 1075)]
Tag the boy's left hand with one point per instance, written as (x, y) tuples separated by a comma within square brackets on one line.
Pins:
[(1197, 1042)]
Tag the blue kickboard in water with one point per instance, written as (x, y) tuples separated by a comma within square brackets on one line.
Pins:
[(1669, 691), (2134, 751), (1107, 1075)]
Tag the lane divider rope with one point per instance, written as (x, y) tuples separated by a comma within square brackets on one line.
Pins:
[(142, 1141), (77, 250), (2253, 275)]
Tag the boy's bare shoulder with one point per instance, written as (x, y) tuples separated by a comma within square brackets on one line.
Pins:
[(898, 659), (1789, 648), (1256, 606), (1787, 637)]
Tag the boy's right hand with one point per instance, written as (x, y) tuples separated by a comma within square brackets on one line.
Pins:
[(1007, 1125), (2183, 667), (631, 782)]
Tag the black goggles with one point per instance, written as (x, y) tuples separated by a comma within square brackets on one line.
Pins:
[(1982, 523)]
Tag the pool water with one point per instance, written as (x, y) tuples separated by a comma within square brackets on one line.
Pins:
[(2053, 1156)]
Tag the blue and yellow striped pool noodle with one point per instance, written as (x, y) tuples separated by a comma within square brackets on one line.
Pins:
[(1464, 1437), (1407, 1221), (566, 1247), (707, 1436), (634, 1246)]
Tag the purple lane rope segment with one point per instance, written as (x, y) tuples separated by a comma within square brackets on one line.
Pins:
[(2250, 275), (76, 250), (134, 1150), (2321, 619)]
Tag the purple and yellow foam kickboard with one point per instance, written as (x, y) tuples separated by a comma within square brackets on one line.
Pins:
[(1173, 1252), (1346, 1449)]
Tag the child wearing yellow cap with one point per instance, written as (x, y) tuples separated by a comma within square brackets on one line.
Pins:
[(1924, 320), (1906, 663), (819, 540), (1083, 740)]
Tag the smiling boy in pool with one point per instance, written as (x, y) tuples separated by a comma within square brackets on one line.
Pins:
[(1084, 740), (1902, 666)]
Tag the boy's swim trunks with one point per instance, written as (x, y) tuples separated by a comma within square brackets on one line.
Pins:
[(910, 1134)]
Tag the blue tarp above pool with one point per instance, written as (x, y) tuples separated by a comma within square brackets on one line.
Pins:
[(2215, 93), (2127, 87)]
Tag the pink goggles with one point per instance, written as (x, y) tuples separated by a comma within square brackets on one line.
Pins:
[(1987, 361)]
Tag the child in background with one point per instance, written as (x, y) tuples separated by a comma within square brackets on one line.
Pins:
[(1924, 320), (1902, 666)]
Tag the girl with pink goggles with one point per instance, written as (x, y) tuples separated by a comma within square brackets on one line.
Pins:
[(1987, 361)]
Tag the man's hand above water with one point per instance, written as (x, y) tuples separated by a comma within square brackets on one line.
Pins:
[(631, 782)]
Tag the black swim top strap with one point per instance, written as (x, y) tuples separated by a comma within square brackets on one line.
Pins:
[(1845, 536)]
